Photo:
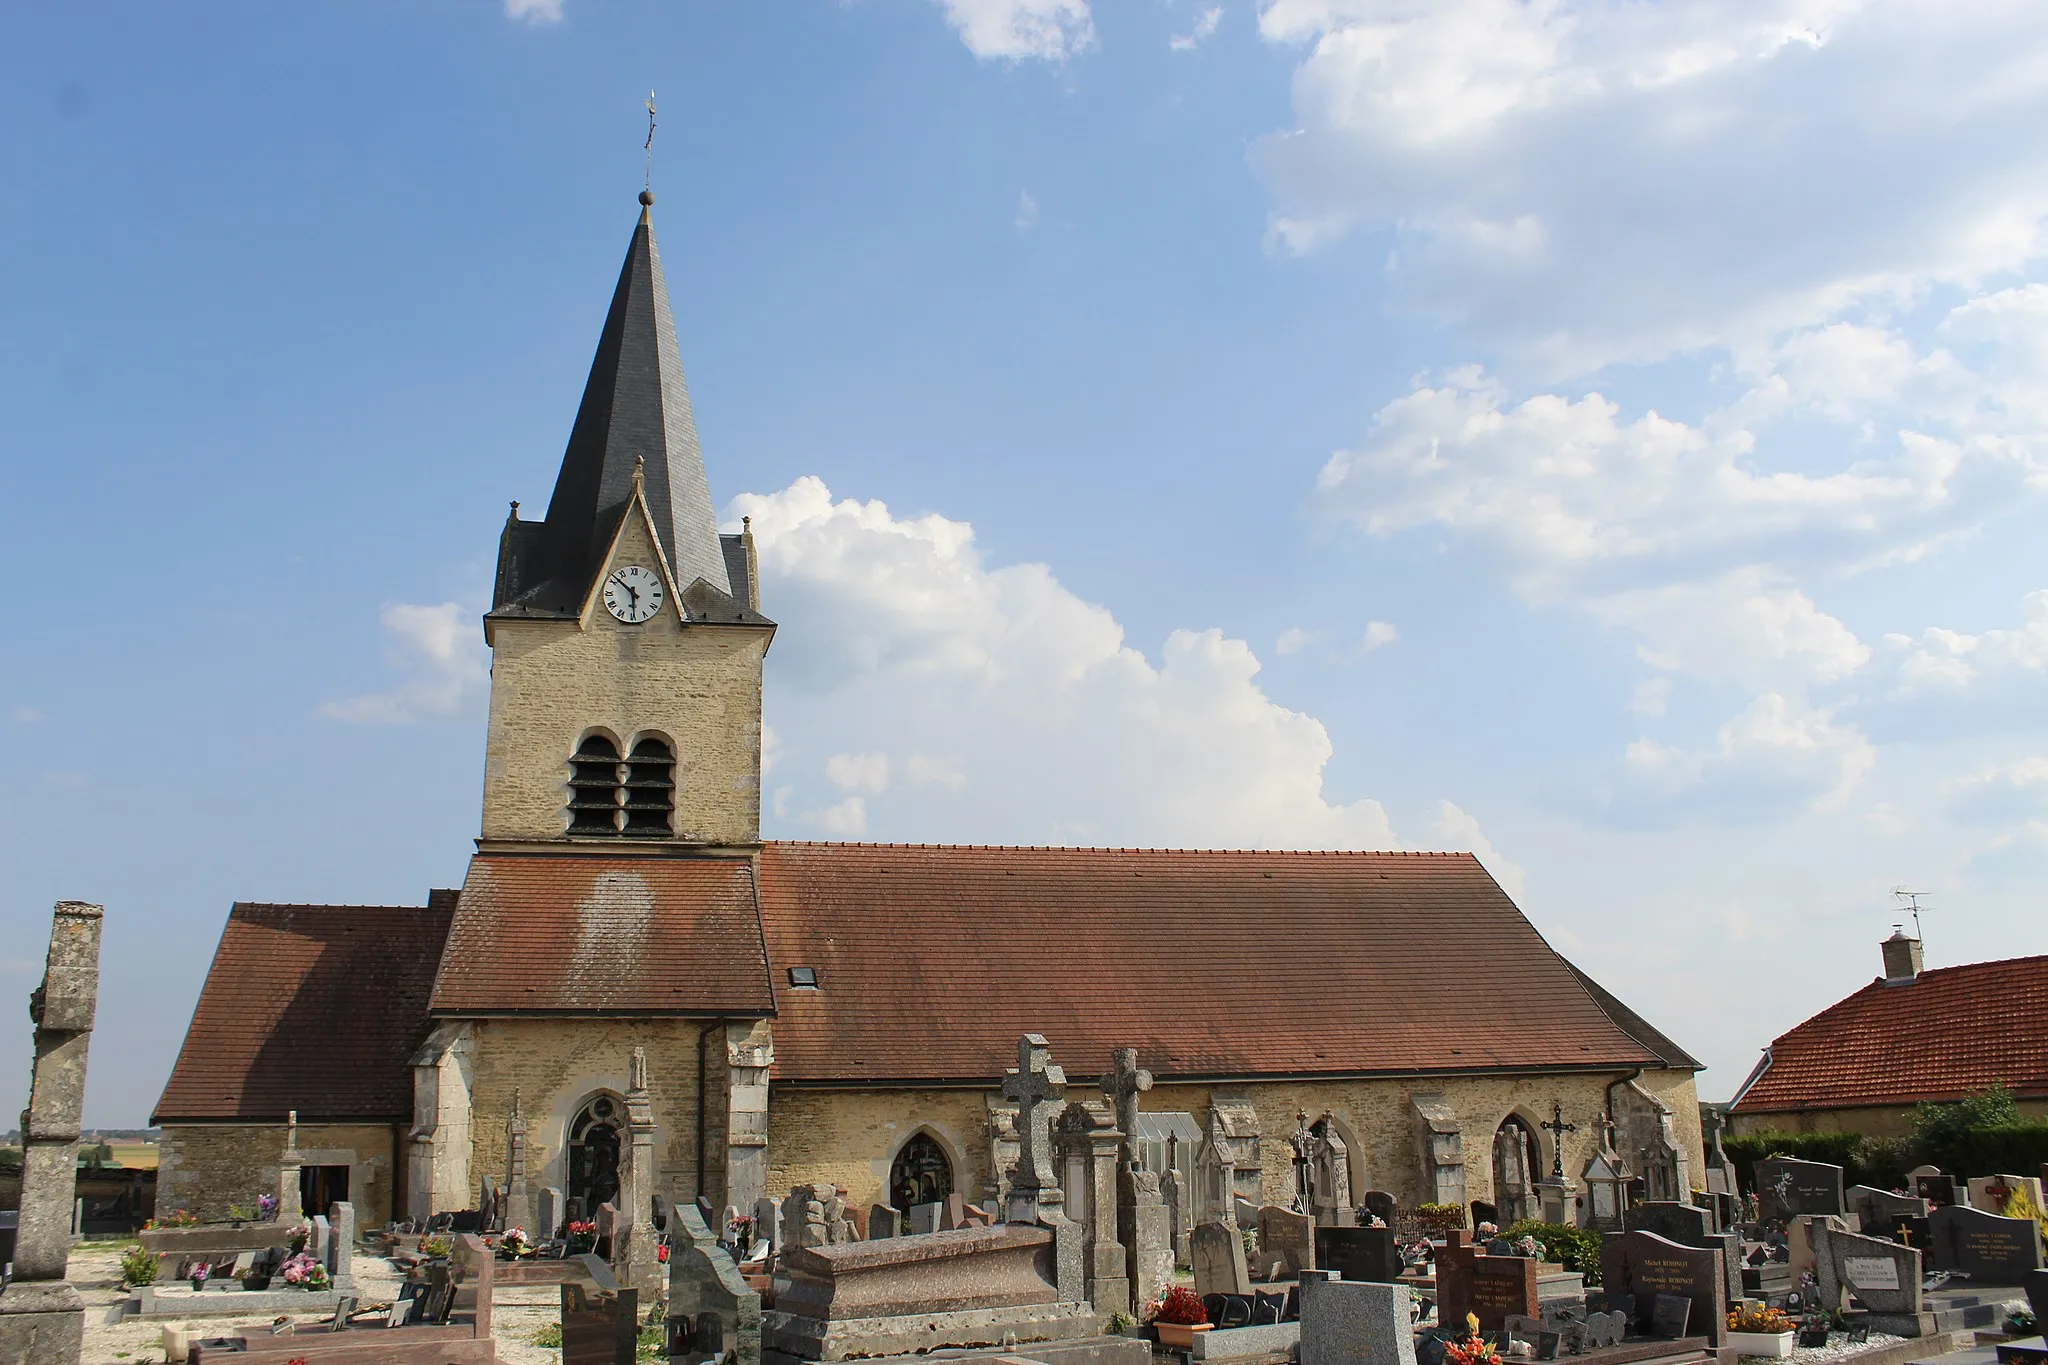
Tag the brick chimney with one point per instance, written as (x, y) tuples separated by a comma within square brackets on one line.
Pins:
[(1902, 961)]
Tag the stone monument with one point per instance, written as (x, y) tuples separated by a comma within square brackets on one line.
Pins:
[(42, 1319)]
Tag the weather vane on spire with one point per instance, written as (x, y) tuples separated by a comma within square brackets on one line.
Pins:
[(649, 184)]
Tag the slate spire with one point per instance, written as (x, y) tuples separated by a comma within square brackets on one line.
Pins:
[(635, 405)]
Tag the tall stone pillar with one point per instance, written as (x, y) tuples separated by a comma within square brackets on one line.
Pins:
[(1087, 1142), (42, 1319), (634, 1250), (518, 1207), (749, 1055), (290, 1204)]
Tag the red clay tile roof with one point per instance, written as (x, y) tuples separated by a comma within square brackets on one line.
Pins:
[(612, 935), (1953, 1031), (310, 1007), (932, 959)]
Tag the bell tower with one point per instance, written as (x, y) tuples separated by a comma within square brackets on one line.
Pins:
[(626, 634)]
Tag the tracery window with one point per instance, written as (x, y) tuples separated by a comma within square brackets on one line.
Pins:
[(921, 1174)]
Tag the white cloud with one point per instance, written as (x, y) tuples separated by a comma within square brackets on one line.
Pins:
[(1652, 697), (1951, 662), (1013, 30), (1458, 829), (1379, 634), (442, 654), (1027, 211), (1774, 757), (534, 11), (1204, 29), (1741, 626), (897, 636), (1611, 180), (858, 772), (1295, 639), (2002, 794)]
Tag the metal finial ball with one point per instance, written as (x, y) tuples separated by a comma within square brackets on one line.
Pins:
[(647, 199)]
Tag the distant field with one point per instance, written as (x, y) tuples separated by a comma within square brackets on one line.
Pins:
[(136, 1156)]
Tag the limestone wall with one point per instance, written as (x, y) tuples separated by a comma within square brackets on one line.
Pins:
[(206, 1168), (1889, 1120), (559, 1064), (553, 683), (851, 1137)]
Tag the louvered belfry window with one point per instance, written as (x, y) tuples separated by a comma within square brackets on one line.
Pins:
[(650, 790), (594, 788)]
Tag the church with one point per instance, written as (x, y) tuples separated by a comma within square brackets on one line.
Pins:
[(845, 1012)]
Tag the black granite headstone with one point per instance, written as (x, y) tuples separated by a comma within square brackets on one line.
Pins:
[(1684, 1223), (1359, 1253), (1940, 1188), (1987, 1248), (1787, 1187), (1670, 1317)]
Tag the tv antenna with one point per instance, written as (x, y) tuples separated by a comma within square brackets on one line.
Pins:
[(1912, 900)]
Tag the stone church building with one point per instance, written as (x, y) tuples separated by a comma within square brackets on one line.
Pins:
[(845, 1012)]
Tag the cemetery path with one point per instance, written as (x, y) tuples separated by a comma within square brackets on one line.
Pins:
[(111, 1339)]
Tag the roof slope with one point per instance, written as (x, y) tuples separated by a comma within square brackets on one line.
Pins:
[(636, 404), (552, 933), (932, 960), (1637, 1027), (310, 1007), (1951, 1032)]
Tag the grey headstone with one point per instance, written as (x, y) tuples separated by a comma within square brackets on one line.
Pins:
[(1346, 1323), (549, 1213), (1877, 1211), (924, 1217), (321, 1243), (2037, 1295), (1884, 1276), (1286, 1237), (1218, 1254), (341, 1246), (767, 1223), (884, 1221)]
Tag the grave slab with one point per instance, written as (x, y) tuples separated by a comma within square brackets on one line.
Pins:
[(1990, 1249), (1347, 1323)]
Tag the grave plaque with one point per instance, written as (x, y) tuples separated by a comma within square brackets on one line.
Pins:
[(1644, 1266), (1939, 1188), (1986, 1247), (1493, 1287), (1670, 1316), (1870, 1272), (1786, 1188), (1367, 1254)]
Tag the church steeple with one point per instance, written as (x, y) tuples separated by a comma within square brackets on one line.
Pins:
[(636, 406)]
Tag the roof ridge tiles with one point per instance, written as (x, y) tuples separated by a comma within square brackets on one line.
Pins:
[(1108, 848)]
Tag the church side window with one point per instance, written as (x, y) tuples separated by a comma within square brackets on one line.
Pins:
[(650, 789), (921, 1174), (594, 787)]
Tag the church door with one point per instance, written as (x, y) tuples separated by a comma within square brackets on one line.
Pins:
[(1515, 1167), (594, 1156), (921, 1175)]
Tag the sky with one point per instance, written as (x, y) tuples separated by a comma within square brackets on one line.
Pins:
[(1605, 437)]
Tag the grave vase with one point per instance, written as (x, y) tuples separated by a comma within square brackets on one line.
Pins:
[(1769, 1345), (1180, 1334)]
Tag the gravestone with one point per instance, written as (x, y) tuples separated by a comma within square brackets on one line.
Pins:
[(1787, 1187), (767, 1223), (2037, 1296), (600, 1328), (1643, 1265), (1937, 1187), (42, 1319), (1218, 1254), (1366, 1254), (1381, 1205), (1986, 1247), (1884, 1276), (925, 1217), (607, 1230), (341, 1246), (548, 1217), (1347, 1323), (320, 1243), (1494, 1288), (1690, 1225), (1670, 1316), (884, 1221), (1286, 1240), (711, 1311), (953, 1213), (1876, 1212)]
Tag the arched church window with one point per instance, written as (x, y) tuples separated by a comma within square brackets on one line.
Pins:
[(593, 1150), (594, 787), (650, 789), (922, 1174)]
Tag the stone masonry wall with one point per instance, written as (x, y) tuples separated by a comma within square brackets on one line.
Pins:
[(1894, 1120), (553, 683), (559, 1064), (206, 1168), (851, 1137)]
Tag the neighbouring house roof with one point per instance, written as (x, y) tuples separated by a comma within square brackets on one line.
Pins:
[(310, 1007), (1948, 1033), (931, 960), (584, 934)]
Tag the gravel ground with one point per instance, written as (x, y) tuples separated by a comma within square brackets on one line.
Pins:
[(112, 1339)]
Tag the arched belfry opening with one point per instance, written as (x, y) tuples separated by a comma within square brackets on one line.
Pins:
[(921, 1174)]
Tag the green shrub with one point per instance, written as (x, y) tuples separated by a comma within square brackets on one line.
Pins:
[(1576, 1249), (1935, 1126), (1837, 1149), (138, 1266), (549, 1336)]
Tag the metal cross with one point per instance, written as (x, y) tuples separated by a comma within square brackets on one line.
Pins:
[(1557, 1128), (1033, 1082), (1303, 1142), (1121, 1087)]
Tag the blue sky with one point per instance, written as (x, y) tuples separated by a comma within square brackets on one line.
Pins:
[(1607, 437)]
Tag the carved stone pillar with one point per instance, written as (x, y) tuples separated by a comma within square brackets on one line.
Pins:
[(749, 1057), (1086, 1143), (1439, 1148)]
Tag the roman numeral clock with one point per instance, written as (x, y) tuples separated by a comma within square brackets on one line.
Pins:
[(633, 594)]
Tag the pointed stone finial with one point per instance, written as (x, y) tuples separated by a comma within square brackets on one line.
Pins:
[(637, 1077), (512, 516), (746, 525), (639, 473)]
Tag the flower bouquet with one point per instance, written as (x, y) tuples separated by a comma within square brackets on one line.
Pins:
[(514, 1244), (1474, 1349), (582, 1237), (266, 1207), (198, 1274), (303, 1272), (1177, 1315)]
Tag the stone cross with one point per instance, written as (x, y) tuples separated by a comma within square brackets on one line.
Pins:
[(1557, 1128), (518, 1208), (1121, 1087), (41, 1316), (635, 1253), (1031, 1086), (290, 1209)]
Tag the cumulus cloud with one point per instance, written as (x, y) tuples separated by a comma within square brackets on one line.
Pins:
[(1203, 30), (1014, 30), (1459, 829), (1379, 634), (534, 11), (2002, 794), (1586, 181), (1953, 662), (441, 654), (901, 646), (1775, 757)]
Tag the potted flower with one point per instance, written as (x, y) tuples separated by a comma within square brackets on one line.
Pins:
[(266, 1207), (582, 1237), (198, 1274), (513, 1244), (437, 1248), (1178, 1316), (1756, 1329), (303, 1272)]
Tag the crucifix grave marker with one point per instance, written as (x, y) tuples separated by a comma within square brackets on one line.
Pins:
[(1031, 1085), (1557, 1128), (1122, 1086)]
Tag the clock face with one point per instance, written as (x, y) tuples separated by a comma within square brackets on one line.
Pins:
[(632, 594)]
